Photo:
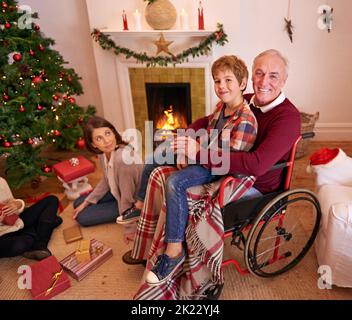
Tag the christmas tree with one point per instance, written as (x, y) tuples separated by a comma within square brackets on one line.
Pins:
[(37, 104)]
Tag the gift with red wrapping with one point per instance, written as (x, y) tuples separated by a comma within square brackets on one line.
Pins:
[(48, 279), (10, 220), (69, 170), (78, 270)]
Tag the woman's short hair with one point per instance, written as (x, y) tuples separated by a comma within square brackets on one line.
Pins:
[(95, 123), (234, 64)]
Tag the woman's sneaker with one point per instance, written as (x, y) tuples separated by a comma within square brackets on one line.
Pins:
[(129, 216), (164, 269)]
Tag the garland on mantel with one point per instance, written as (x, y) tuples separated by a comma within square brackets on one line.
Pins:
[(219, 36)]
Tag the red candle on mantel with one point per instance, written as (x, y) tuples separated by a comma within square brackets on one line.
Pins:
[(200, 17), (124, 19)]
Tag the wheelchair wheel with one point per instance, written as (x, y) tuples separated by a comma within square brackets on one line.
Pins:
[(282, 233)]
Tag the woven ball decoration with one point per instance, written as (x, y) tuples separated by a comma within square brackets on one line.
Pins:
[(161, 15)]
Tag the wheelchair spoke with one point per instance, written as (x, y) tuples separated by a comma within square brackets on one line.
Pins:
[(271, 249)]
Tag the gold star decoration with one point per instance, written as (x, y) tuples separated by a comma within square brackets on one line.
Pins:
[(162, 45)]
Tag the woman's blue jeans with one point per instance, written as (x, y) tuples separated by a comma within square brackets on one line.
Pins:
[(104, 211)]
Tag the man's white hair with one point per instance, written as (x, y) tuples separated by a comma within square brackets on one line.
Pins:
[(273, 52)]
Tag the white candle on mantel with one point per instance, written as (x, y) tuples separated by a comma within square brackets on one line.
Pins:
[(184, 20), (137, 21)]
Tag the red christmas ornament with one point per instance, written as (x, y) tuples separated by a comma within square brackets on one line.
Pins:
[(80, 120), (57, 133), (31, 53), (7, 144), (69, 79), (41, 47), (72, 100), (37, 80), (55, 97), (36, 27), (4, 5), (39, 107), (218, 35), (5, 97), (30, 141), (80, 144), (17, 57), (7, 25), (22, 109)]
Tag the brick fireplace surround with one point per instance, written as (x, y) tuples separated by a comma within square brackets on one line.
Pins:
[(140, 76)]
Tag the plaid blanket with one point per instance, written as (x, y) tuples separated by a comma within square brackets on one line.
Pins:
[(204, 236)]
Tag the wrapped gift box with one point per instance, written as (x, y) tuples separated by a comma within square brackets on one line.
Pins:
[(10, 220), (83, 251), (72, 234), (48, 279), (69, 170), (78, 270)]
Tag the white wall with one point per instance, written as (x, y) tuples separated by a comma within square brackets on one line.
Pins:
[(320, 66), (66, 22)]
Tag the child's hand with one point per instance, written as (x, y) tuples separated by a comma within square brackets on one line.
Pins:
[(181, 166)]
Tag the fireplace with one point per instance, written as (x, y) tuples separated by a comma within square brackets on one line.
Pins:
[(169, 105), (170, 83)]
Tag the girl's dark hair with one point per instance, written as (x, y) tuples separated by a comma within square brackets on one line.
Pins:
[(98, 122)]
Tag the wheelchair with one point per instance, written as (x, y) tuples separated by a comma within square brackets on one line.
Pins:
[(276, 230)]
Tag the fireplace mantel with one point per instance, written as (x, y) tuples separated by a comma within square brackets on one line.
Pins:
[(153, 33)]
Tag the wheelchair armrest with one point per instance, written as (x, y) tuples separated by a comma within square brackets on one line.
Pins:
[(223, 185)]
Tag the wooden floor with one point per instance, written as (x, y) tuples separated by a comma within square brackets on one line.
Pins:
[(116, 280)]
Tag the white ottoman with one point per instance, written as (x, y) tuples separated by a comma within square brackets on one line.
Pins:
[(334, 241)]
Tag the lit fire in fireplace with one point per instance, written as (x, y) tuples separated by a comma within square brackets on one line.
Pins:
[(171, 120)]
